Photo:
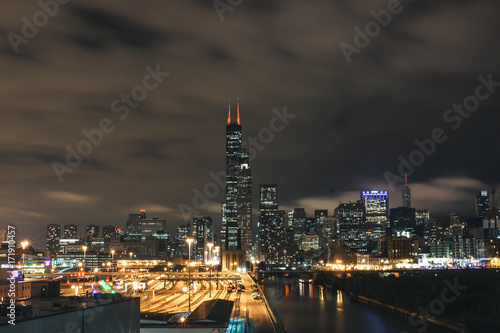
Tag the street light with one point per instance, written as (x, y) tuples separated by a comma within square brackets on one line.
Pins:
[(189, 241), (84, 264), (112, 255), (210, 262), (217, 267), (24, 244)]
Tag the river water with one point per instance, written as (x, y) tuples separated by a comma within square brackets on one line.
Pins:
[(305, 308)]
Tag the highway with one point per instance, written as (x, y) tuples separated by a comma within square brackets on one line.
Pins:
[(248, 315)]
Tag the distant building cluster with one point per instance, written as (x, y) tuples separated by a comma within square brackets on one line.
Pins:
[(364, 233)]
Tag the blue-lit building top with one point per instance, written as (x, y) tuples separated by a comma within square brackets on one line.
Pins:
[(377, 208)]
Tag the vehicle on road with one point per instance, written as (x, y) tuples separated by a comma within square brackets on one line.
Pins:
[(257, 295)]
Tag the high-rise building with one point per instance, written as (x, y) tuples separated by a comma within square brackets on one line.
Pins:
[(92, 231), (236, 210), (4, 236), (202, 233), (272, 225), (406, 194), (108, 231), (483, 207), (377, 209), (268, 199), (422, 217), (272, 233), (329, 228), (319, 217), (181, 234), (377, 216), (134, 223), (245, 203), (299, 224), (70, 231), (351, 226), (53, 237), (150, 226), (433, 232), (403, 223), (310, 225)]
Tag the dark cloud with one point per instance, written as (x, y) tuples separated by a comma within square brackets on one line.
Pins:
[(353, 120), (104, 29)]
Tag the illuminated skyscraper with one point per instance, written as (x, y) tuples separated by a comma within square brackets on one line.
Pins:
[(272, 225), (299, 224), (406, 194), (319, 217), (181, 234), (403, 223), (483, 207), (70, 231), (202, 233), (53, 237), (149, 227), (351, 226), (92, 232), (108, 231), (377, 209), (245, 203), (236, 233), (134, 222)]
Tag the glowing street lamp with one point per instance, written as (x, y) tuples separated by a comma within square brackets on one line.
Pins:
[(84, 264), (189, 241), (84, 254), (24, 244), (210, 250), (211, 264), (217, 268), (112, 256)]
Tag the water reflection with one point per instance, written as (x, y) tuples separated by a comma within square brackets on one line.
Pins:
[(304, 307), (340, 298)]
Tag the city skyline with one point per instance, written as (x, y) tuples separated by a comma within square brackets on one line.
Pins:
[(348, 124)]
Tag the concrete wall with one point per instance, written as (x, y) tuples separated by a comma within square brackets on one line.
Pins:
[(182, 330), (110, 318)]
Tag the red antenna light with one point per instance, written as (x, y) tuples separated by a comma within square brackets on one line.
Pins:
[(229, 112), (238, 108)]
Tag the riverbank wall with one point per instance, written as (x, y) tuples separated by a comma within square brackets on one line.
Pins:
[(415, 316)]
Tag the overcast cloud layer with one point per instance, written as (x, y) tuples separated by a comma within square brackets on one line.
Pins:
[(352, 120)]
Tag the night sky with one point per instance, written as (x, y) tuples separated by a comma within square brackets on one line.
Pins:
[(351, 119)]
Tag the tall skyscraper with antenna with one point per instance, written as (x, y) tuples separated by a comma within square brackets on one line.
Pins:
[(236, 231), (406, 194)]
